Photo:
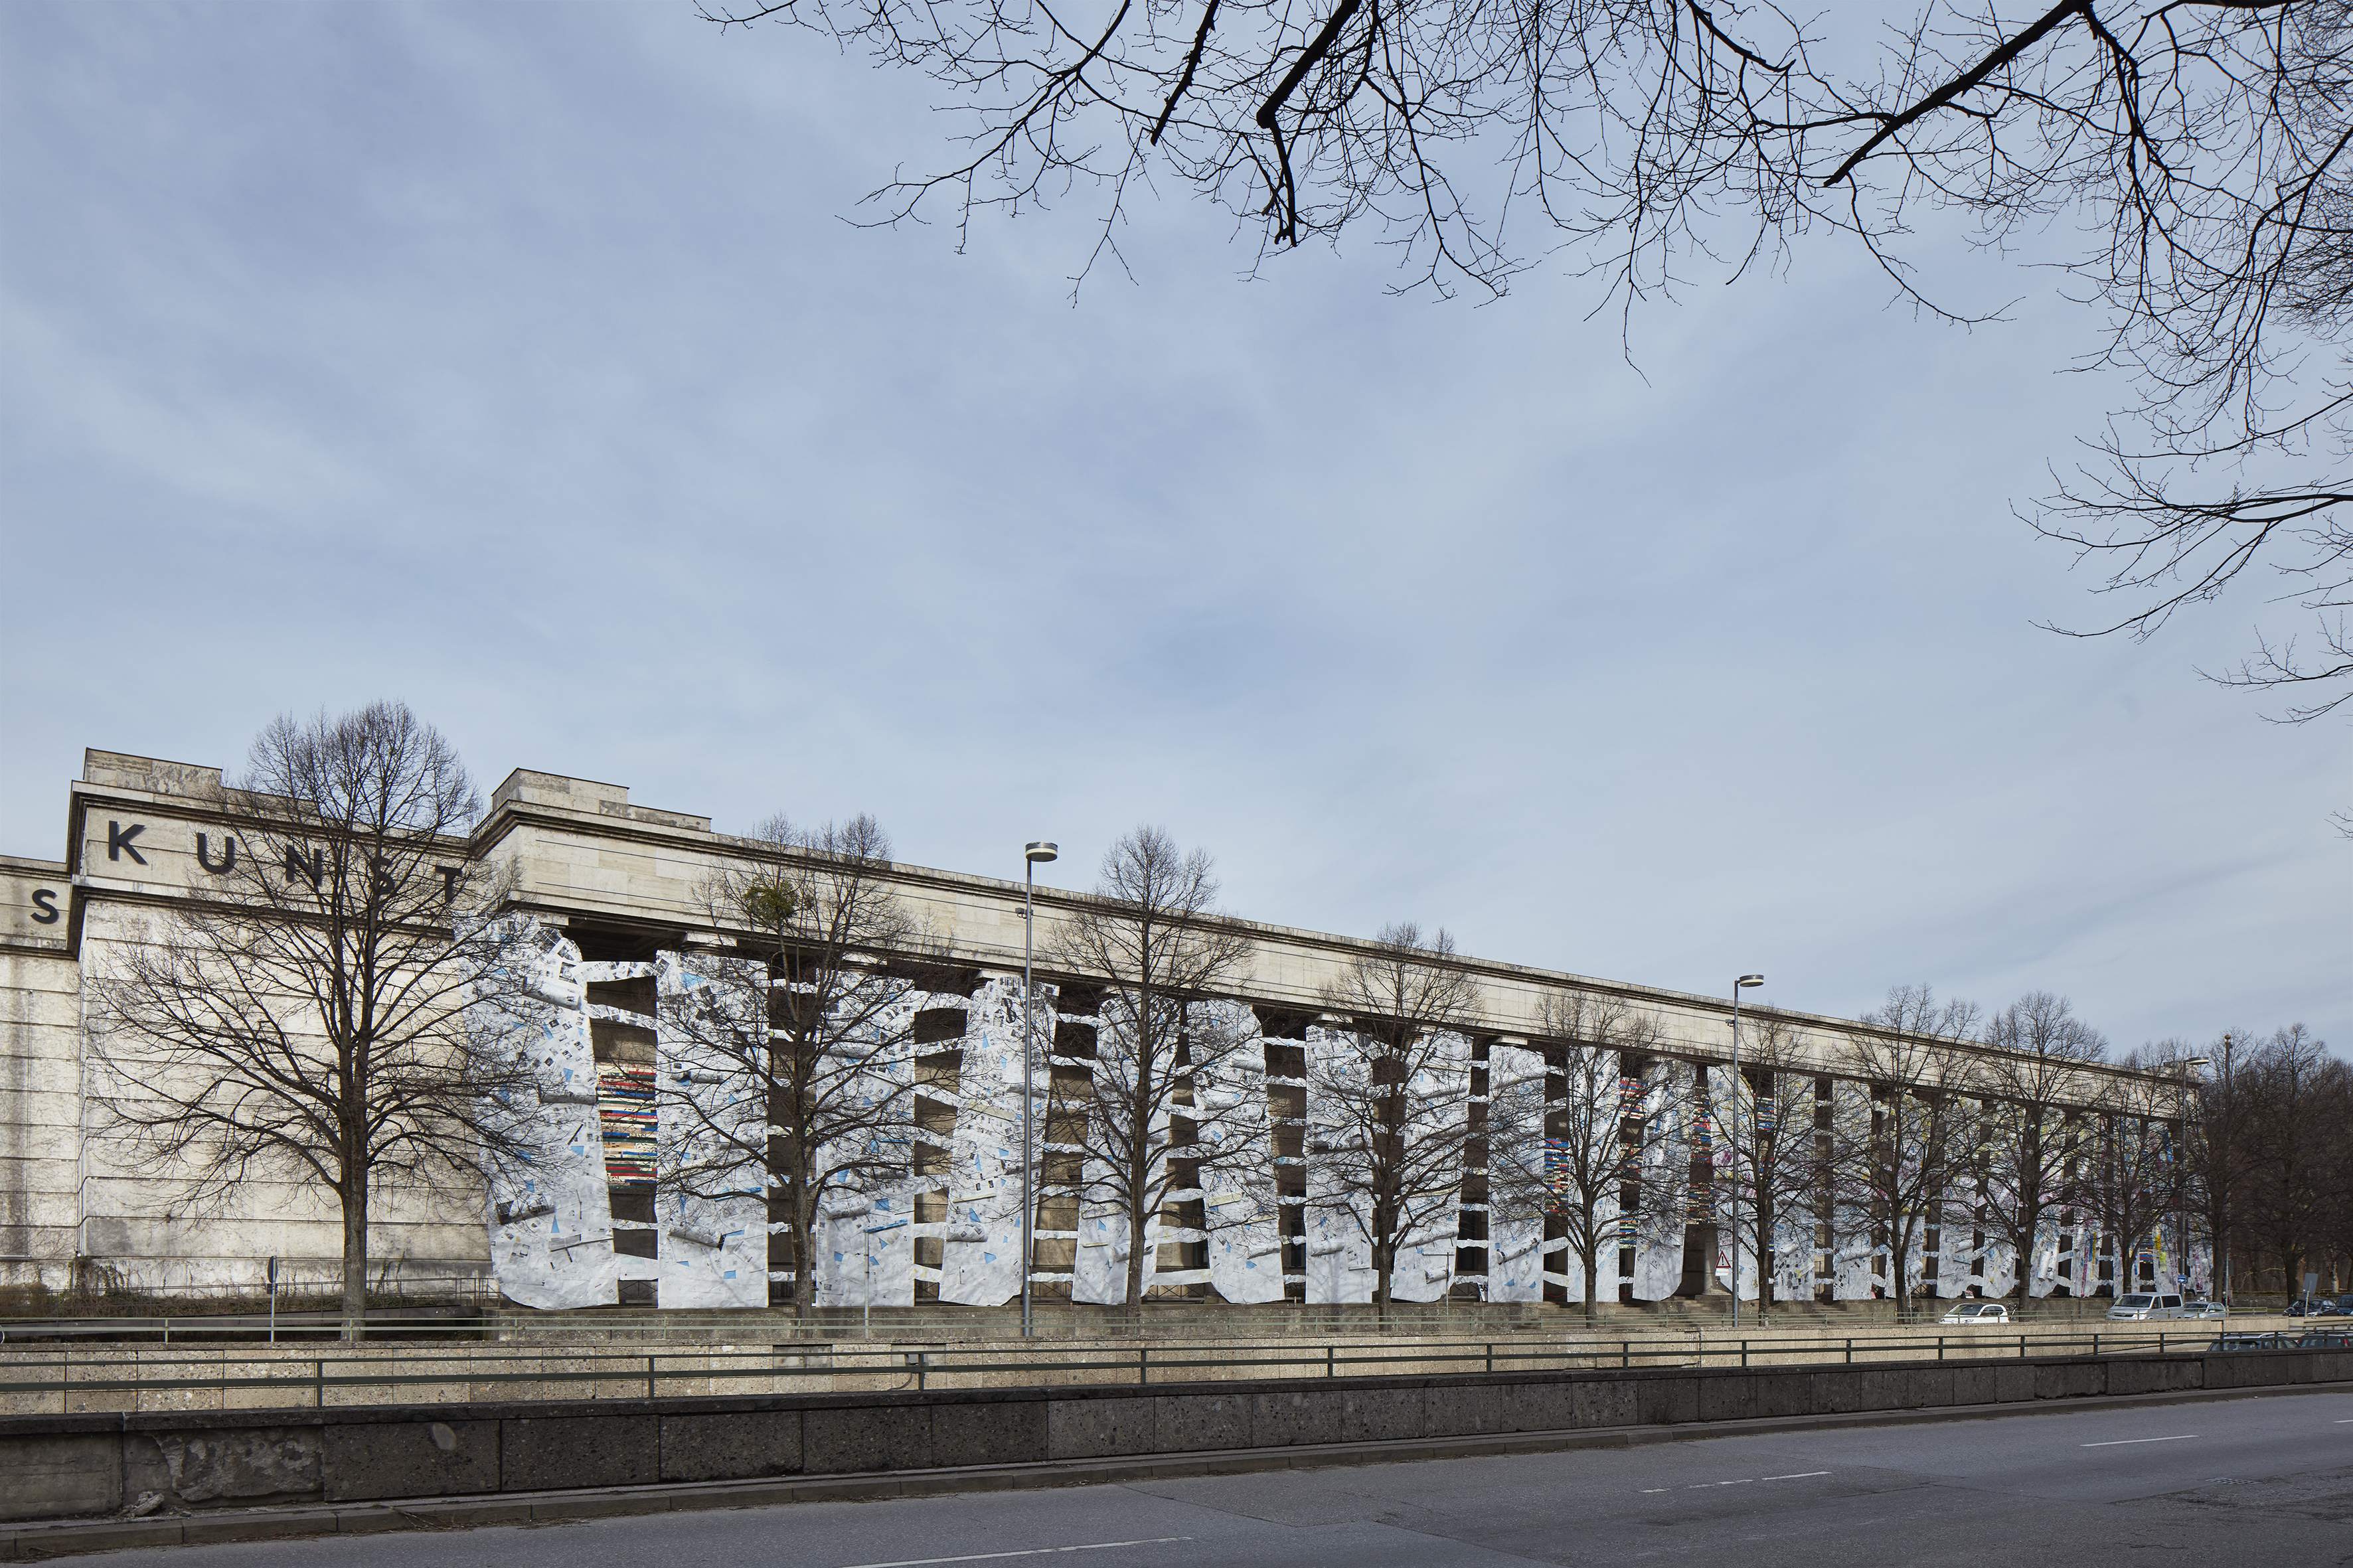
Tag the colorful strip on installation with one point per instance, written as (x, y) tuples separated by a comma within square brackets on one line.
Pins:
[(625, 1113)]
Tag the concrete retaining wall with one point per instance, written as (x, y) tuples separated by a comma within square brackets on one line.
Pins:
[(54, 1467), (105, 1378)]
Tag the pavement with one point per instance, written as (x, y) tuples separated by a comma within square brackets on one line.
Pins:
[(2255, 1479)]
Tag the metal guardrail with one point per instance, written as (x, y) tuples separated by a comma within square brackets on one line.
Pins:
[(1093, 1324), (1141, 1366)]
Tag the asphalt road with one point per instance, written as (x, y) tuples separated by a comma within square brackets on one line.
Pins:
[(2254, 1480)]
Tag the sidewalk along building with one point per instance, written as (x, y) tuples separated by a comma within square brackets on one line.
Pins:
[(607, 941)]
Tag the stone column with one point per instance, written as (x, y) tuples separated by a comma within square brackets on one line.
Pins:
[(1286, 1105), (1472, 1233), (1068, 1055), (1700, 1231), (939, 1032)]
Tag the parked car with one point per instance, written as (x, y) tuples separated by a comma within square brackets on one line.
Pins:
[(2252, 1343), (2325, 1340), (1978, 1313), (2204, 1309), (2329, 1306), (2136, 1307)]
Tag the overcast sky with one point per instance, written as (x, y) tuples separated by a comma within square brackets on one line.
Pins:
[(516, 361)]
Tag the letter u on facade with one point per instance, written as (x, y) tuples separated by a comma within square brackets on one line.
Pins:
[(229, 855)]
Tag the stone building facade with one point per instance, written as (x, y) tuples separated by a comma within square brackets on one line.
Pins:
[(605, 894)]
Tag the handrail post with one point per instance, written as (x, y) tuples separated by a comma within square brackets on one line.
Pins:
[(1849, 1350), (1491, 1359), (649, 1377), (1143, 1365), (1331, 1365), (319, 1372)]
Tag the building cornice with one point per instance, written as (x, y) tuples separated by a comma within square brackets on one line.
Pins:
[(1696, 1023)]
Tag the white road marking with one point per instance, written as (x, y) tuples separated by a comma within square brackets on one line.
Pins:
[(2119, 1442), (1694, 1487), (1031, 1552)]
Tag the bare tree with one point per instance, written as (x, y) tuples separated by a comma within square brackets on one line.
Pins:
[(1578, 1154), (1918, 1127), (816, 1045), (1149, 934), (2219, 1166), (2133, 1179), (1391, 1100), (1614, 119), (2199, 146), (2203, 148), (301, 1018), (2030, 1076), (2298, 1100), (1782, 1162)]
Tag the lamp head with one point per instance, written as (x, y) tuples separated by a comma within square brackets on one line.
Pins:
[(1747, 981), (2199, 1062), (1038, 851)]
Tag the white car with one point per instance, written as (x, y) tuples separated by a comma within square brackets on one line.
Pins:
[(2137, 1307), (1978, 1313)]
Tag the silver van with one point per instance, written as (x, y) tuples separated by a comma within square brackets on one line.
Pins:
[(2146, 1307)]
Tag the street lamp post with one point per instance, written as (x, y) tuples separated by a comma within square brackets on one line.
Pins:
[(1032, 854), (2182, 1180), (1732, 1134)]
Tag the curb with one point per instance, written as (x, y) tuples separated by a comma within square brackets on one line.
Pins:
[(35, 1542)]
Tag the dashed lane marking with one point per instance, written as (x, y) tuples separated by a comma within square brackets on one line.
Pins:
[(1030, 1552), (2120, 1442), (1702, 1485)]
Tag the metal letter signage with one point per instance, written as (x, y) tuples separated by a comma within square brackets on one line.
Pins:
[(45, 901), (228, 856), (312, 866), (118, 841)]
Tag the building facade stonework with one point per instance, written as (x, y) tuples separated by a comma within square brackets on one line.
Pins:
[(604, 902)]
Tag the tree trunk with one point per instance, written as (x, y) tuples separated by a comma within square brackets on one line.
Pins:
[(1136, 1253), (805, 1257), (355, 1259)]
